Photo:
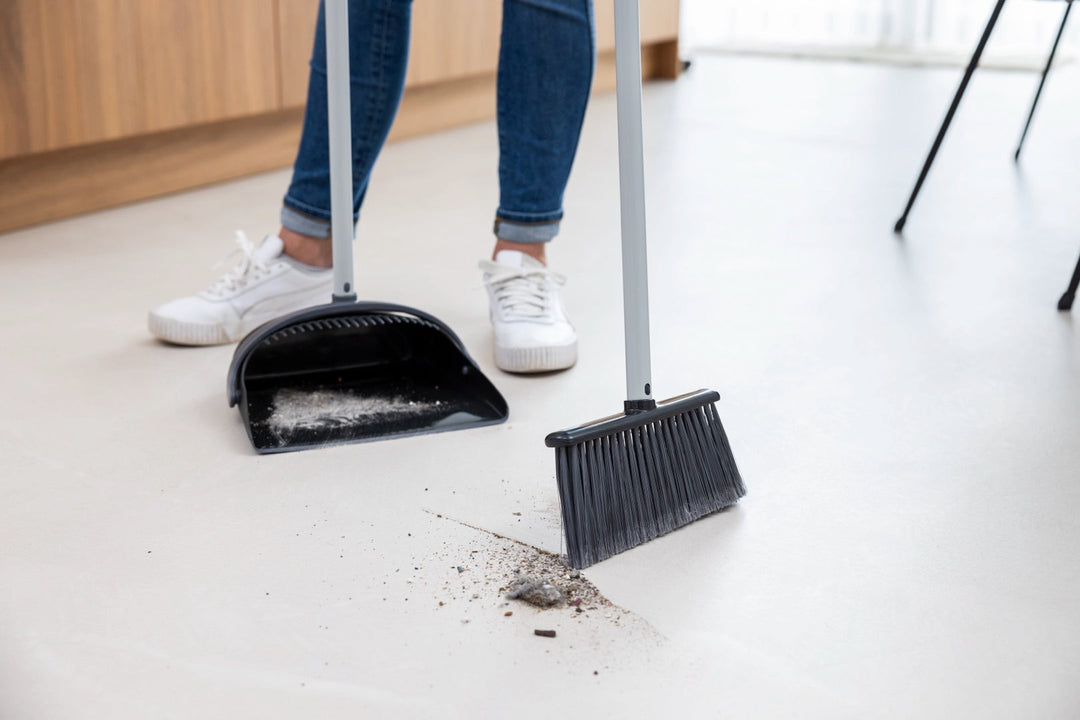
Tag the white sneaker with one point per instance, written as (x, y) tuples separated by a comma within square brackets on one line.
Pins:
[(264, 285), (532, 333)]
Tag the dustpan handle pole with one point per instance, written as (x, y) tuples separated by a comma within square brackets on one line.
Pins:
[(632, 201), (340, 134)]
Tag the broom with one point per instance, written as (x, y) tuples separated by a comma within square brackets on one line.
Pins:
[(655, 467)]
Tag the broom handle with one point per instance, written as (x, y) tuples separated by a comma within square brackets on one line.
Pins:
[(632, 204), (339, 114)]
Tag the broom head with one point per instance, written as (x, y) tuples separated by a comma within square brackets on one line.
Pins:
[(632, 477)]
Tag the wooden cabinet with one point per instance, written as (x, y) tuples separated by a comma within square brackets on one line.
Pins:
[(454, 39), (451, 39), (108, 101), (74, 72), (296, 32)]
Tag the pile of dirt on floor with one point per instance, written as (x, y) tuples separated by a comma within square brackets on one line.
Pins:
[(504, 570), (544, 580)]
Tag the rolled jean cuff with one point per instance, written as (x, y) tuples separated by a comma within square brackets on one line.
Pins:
[(304, 224), (526, 232)]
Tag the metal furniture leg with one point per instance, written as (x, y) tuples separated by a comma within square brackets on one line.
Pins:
[(1042, 80), (1066, 302), (972, 64)]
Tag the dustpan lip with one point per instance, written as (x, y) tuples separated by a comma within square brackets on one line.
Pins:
[(334, 309), (279, 450)]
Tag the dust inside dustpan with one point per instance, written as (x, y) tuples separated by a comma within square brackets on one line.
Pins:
[(354, 372)]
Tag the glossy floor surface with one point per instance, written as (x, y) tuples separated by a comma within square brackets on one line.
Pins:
[(905, 412)]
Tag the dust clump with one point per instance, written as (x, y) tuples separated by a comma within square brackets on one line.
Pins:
[(301, 410), (540, 593)]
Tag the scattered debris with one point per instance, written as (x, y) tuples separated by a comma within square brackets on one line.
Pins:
[(544, 633), (502, 572)]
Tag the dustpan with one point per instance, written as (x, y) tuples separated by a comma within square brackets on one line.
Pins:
[(352, 371)]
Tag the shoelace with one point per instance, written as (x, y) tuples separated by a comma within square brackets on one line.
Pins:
[(249, 268), (522, 292)]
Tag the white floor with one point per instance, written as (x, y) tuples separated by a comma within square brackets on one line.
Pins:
[(905, 412)]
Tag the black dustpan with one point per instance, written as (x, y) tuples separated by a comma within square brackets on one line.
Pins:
[(356, 371), (353, 371)]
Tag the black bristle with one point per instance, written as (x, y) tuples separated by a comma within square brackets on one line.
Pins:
[(628, 479)]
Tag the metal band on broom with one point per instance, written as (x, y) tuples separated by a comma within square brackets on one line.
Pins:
[(655, 467)]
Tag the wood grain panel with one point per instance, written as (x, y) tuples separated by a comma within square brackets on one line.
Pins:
[(103, 69), (296, 33), (47, 186), (14, 123), (451, 39), (439, 106), (460, 38)]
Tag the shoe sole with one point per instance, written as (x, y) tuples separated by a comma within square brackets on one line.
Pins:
[(535, 359), (182, 333), (179, 332)]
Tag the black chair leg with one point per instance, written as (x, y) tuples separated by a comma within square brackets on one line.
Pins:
[(1042, 81), (1066, 302), (974, 62)]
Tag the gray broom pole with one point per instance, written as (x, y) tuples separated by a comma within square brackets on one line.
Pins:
[(632, 205), (339, 114)]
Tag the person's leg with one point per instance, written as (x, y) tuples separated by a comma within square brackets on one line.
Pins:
[(379, 50), (546, 65), (287, 272), (545, 73)]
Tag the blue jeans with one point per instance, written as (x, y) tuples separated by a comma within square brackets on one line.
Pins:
[(546, 61)]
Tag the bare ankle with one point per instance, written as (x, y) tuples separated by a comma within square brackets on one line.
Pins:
[(533, 250), (314, 251)]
